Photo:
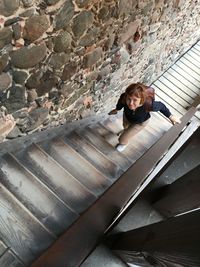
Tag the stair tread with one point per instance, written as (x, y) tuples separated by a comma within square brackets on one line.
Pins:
[(61, 182), (3, 247), (131, 152), (10, 260), (98, 141), (35, 196), (20, 230), (77, 166), (100, 161)]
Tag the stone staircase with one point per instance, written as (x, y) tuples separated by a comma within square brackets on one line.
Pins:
[(47, 185)]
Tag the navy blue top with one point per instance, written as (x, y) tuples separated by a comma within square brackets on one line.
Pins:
[(141, 114)]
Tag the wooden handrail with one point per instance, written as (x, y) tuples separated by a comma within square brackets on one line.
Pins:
[(77, 242)]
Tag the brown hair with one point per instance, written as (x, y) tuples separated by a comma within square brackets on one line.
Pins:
[(137, 89)]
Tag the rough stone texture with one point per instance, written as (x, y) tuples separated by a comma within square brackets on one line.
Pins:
[(77, 56), (7, 7), (5, 37), (62, 42), (69, 71), (91, 58), (35, 26), (19, 76), (3, 62), (64, 15), (7, 123), (82, 22), (35, 119), (26, 57), (27, 3), (5, 81), (14, 98), (58, 60)]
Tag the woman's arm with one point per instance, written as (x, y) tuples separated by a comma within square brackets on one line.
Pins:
[(119, 106), (159, 106)]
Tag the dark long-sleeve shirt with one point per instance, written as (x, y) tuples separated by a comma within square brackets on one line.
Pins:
[(141, 114)]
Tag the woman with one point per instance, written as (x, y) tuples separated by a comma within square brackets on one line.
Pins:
[(138, 101)]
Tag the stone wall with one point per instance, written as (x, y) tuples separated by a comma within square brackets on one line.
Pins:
[(63, 60)]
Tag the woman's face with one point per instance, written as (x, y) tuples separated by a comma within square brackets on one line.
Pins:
[(133, 102)]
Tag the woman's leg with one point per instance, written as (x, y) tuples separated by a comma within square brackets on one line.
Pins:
[(130, 131)]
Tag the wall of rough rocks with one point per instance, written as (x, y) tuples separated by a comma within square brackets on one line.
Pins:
[(62, 60)]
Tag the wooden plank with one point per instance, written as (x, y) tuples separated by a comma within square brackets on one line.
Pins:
[(195, 48), (183, 80), (173, 88), (10, 260), (94, 156), (3, 247), (192, 60), (35, 196), (194, 55), (86, 232), (77, 166), (188, 70), (75, 196), (20, 230), (170, 93), (191, 65), (169, 102), (186, 75), (180, 85)]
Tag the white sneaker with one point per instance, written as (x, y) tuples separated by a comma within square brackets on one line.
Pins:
[(120, 147)]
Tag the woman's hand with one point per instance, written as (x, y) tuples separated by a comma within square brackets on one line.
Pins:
[(174, 119), (113, 112)]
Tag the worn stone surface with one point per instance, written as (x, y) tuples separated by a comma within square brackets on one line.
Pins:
[(69, 71), (58, 60), (14, 98), (5, 81), (91, 58), (5, 37), (35, 119), (62, 42), (19, 76), (28, 57), (27, 3), (16, 31), (64, 16), (7, 123), (82, 22), (90, 37), (3, 62), (76, 56), (35, 26), (7, 7)]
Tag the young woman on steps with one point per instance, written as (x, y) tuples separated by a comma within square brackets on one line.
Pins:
[(138, 101)]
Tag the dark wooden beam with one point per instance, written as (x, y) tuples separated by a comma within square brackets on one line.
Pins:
[(176, 239), (181, 196), (78, 241)]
